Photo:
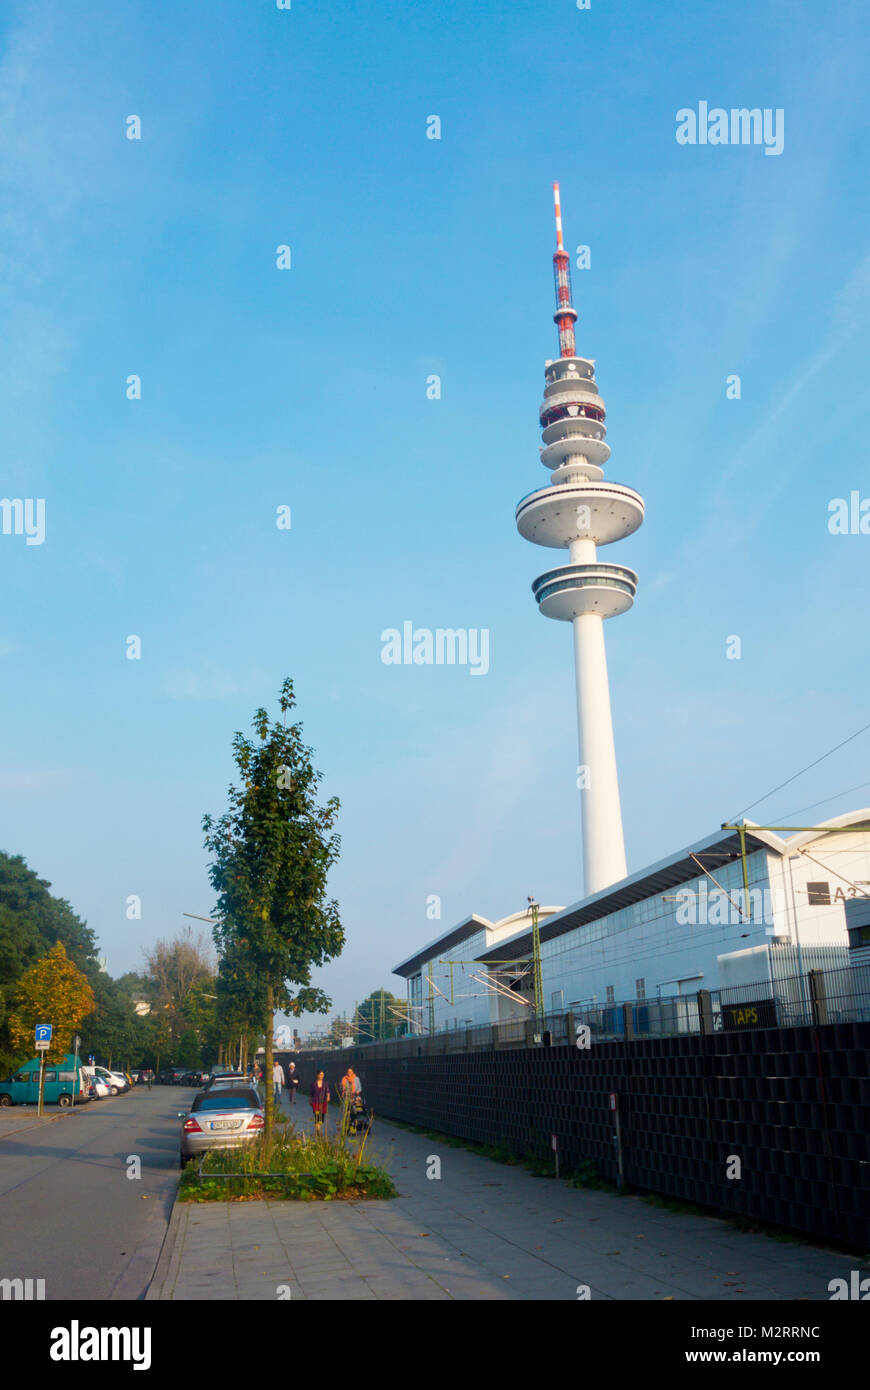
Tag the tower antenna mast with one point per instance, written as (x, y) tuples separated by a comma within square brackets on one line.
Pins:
[(565, 315)]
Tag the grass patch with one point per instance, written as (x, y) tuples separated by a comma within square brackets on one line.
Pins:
[(293, 1166)]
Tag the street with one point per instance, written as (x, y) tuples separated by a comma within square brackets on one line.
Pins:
[(70, 1214)]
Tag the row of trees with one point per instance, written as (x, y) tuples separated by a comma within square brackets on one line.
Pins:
[(271, 853), (50, 972)]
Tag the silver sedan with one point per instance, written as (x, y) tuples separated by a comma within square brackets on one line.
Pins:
[(220, 1119)]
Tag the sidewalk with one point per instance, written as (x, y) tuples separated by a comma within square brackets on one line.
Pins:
[(483, 1231), (15, 1118)]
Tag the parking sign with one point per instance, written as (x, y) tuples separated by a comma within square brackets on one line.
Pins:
[(43, 1036)]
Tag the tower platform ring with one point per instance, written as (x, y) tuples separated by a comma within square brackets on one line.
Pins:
[(569, 591), (549, 516)]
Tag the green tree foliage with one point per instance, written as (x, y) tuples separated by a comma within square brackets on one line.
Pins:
[(31, 921), (241, 1006), (112, 1033), (189, 1052), (271, 855), (377, 1017)]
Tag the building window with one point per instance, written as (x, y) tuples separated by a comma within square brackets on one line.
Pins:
[(640, 986), (558, 997), (610, 997), (819, 894)]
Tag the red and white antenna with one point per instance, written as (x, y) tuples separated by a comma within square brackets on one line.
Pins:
[(565, 315)]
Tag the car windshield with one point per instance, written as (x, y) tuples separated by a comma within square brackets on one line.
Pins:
[(227, 1100)]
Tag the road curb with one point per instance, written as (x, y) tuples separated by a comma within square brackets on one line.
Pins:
[(166, 1262)]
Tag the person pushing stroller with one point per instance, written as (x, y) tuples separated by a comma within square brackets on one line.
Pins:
[(351, 1094)]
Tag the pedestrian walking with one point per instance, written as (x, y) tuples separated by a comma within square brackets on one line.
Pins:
[(319, 1094), (278, 1081), (292, 1083), (350, 1084)]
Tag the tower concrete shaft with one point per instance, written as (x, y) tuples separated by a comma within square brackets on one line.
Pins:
[(603, 842), (577, 512)]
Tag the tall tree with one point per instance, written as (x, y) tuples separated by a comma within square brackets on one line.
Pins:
[(271, 855), (52, 991), (31, 921), (179, 970)]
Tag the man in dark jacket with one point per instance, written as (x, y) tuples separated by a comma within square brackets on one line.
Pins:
[(292, 1083)]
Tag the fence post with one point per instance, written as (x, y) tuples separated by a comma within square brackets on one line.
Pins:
[(705, 1011), (628, 1020), (818, 996)]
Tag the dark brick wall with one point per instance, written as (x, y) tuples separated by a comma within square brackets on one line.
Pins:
[(792, 1103)]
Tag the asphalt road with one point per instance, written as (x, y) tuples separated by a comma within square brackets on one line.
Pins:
[(70, 1215)]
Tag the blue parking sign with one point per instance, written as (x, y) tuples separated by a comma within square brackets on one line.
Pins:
[(43, 1032)]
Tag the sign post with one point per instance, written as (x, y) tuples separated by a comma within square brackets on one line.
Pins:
[(554, 1140), (77, 1042), (43, 1043), (617, 1139)]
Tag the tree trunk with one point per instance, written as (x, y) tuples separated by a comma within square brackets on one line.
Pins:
[(267, 1080)]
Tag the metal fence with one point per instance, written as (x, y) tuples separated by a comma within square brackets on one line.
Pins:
[(813, 998)]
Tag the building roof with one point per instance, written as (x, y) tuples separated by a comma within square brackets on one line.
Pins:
[(678, 868), (470, 926), (713, 851), (719, 848)]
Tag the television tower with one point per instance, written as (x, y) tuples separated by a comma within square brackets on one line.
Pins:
[(577, 512)]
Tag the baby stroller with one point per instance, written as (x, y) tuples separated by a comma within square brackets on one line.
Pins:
[(358, 1115)]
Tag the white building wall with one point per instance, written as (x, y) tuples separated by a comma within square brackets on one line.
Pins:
[(669, 944), (651, 942), (842, 861)]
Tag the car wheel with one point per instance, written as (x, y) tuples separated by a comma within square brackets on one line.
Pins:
[(5, 1100), (113, 1090), (64, 1099)]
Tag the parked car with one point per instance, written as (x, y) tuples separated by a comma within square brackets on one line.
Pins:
[(115, 1080), (64, 1085), (226, 1078), (97, 1086), (222, 1119)]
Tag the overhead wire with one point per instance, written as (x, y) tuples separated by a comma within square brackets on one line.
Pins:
[(794, 778)]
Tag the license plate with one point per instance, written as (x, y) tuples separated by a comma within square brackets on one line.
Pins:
[(224, 1124)]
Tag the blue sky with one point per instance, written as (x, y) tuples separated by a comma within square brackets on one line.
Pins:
[(307, 388)]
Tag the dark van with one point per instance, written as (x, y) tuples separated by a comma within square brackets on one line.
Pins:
[(65, 1084)]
